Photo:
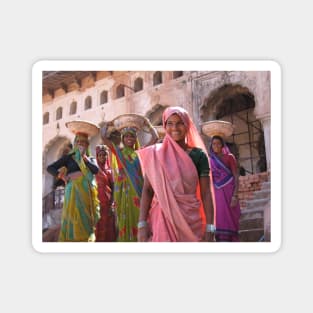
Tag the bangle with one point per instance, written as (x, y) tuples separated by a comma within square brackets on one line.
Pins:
[(210, 228), (142, 224)]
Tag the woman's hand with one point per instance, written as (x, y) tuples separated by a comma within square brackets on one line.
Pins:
[(105, 128), (209, 237), (82, 150), (234, 201), (143, 234)]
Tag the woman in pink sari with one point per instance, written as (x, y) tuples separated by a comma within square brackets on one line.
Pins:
[(225, 182), (176, 202)]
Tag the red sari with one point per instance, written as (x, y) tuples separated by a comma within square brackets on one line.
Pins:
[(105, 228)]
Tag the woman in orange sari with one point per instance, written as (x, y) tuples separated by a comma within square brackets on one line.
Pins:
[(176, 202)]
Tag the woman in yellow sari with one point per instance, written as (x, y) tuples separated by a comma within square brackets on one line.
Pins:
[(81, 205)]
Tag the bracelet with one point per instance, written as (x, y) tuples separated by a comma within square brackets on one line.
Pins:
[(210, 228), (142, 224)]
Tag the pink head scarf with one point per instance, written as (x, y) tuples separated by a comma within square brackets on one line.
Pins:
[(193, 138)]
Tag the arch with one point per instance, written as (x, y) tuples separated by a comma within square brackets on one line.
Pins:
[(73, 108), (59, 113), (235, 103), (155, 114), (226, 99), (157, 78), (104, 97), (53, 190), (177, 74), (138, 84), (45, 118), (155, 117), (120, 91), (52, 152), (88, 103)]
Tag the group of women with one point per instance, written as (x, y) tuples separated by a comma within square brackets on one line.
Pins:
[(167, 192)]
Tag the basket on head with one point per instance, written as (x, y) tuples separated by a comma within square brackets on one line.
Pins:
[(134, 120), (84, 127), (144, 129), (217, 128)]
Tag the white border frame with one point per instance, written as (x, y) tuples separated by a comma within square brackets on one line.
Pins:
[(153, 65)]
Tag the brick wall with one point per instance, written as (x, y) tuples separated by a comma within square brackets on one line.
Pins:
[(249, 184)]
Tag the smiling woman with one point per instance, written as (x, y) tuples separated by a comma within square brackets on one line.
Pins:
[(127, 174), (176, 202)]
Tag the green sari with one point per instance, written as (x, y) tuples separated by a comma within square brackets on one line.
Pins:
[(128, 183), (81, 209)]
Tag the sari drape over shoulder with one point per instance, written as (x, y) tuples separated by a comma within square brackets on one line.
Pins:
[(81, 206), (176, 212), (128, 182), (227, 217)]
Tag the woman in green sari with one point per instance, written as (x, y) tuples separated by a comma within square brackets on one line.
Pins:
[(128, 182), (81, 205)]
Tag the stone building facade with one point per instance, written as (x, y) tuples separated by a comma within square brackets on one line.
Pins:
[(242, 97)]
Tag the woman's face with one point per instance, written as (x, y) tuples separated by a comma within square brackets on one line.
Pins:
[(217, 146), (82, 144), (129, 140), (175, 128), (102, 156)]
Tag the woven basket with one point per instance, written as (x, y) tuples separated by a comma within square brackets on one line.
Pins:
[(217, 128), (137, 121), (83, 127)]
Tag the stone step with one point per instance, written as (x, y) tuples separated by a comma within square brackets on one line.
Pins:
[(256, 203), (251, 223), (252, 235), (249, 214), (266, 185), (51, 234), (262, 194)]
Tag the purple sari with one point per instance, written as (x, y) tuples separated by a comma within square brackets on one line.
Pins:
[(227, 217)]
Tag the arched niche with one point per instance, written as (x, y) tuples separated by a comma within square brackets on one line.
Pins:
[(155, 114), (235, 103), (52, 152)]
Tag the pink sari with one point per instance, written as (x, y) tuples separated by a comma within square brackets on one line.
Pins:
[(176, 212)]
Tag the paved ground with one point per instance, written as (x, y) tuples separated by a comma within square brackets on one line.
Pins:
[(51, 234)]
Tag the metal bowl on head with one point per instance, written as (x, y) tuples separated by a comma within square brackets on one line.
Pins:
[(217, 128), (85, 127), (130, 120), (145, 130)]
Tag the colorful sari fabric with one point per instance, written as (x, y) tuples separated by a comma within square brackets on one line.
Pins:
[(128, 182), (227, 217), (176, 212), (105, 229), (81, 206)]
